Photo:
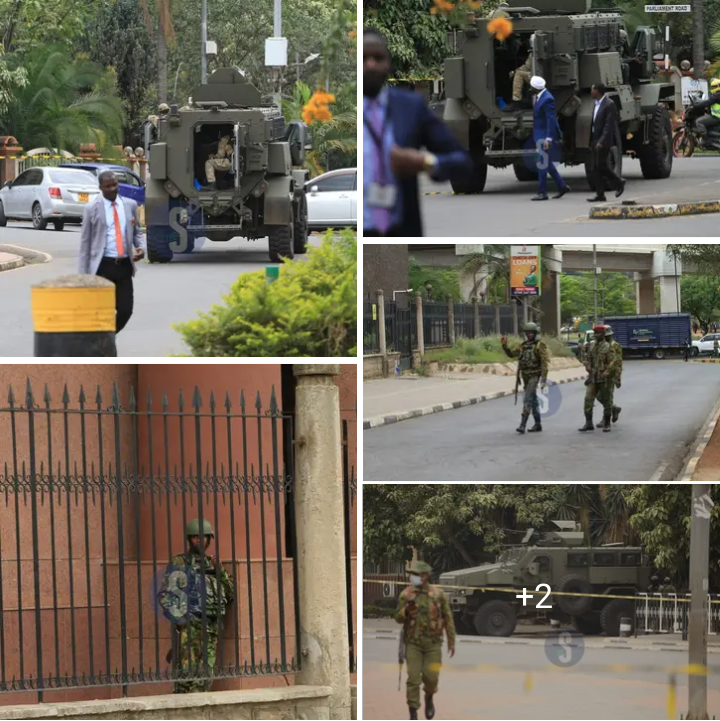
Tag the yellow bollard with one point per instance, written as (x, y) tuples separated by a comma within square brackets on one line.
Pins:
[(671, 697), (527, 686)]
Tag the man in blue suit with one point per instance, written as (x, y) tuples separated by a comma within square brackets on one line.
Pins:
[(402, 138), (546, 136)]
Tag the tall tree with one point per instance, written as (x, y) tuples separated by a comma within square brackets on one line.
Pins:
[(700, 296), (165, 36), (698, 39)]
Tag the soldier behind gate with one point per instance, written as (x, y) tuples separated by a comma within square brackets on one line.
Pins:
[(181, 600)]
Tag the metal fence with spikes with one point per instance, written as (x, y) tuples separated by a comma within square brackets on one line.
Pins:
[(349, 446), (94, 502)]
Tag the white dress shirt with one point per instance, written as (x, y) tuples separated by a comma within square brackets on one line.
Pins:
[(110, 242)]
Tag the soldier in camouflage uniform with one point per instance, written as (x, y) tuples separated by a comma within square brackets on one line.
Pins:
[(600, 363), (181, 600), (667, 587), (533, 360), (617, 375), (425, 614)]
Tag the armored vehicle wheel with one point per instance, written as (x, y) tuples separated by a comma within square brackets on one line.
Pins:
[(474, 182), (612, 613), (461, 625), (495, 618), (574, 605), (280, 239), (523, 173), (300, 230), (656, 157), (589, 624), (615, 160), (159, 238)]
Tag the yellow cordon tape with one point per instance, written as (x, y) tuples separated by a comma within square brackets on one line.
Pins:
[(54, 157), (503, 589), (73, 310)]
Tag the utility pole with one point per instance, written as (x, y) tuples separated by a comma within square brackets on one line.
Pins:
[(595, 278), (277, 33), (700, 512), (203, 35), (698, 39), (297, 65)]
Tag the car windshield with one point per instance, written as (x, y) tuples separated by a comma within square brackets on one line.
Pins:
[(68, 177), (510, 555)]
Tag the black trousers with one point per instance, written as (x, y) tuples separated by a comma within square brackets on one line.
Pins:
[(603, 172), (120, 273)]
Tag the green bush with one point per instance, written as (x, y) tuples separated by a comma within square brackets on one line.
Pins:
[(488, 349), (310, 310), (378, 612)]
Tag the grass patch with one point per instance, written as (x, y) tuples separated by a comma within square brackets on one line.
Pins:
[(488, 349), (378, 612)]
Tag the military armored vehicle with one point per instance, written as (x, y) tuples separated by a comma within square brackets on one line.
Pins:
[(572, 48), (260, 194), (561, 560)]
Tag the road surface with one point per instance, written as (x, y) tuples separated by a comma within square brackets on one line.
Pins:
[(665, 403), (164, 294), (504, 209), (510, 679)]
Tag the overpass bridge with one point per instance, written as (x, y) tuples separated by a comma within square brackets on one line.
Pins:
[(648, 261)]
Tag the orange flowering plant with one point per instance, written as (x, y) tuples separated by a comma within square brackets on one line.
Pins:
[(316, 109), (455, 11)]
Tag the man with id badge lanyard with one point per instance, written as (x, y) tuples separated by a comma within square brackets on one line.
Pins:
[(396, 125)]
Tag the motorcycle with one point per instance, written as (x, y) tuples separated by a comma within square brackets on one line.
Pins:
[(688, 137)]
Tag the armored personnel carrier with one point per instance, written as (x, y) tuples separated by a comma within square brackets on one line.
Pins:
[(260, 192), (572, 48), (563, 562)]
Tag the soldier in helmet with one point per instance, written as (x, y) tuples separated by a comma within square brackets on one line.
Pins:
[(163, 109), (533, 362), (667, 586), (600, 364), (181, 599), (617, 374), (218, 161), (654, 585), (425, 614)]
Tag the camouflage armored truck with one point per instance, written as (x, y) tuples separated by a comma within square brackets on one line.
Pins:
[(572, 48), (561, 560), (257, 193)]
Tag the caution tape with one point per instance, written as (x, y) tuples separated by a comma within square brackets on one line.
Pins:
[(504, 589), (56, 157)]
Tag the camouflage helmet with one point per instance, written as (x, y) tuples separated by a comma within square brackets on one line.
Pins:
[(531, 328), (609, 331), (667, 579), (193, 528), (654, 579), (420, 567), (163, 108)]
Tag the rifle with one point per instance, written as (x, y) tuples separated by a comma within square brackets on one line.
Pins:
[(517, 380), (401, 656)]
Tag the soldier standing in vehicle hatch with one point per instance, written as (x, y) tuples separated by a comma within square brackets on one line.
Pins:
[(219, 161), (425, 614), (180, 598), (533, 363)]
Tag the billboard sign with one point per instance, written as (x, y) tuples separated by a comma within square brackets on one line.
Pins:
[(525, 278)]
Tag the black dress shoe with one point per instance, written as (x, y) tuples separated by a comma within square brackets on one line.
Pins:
[(562, 192), (597, 199), (539, 196), (620, 190)]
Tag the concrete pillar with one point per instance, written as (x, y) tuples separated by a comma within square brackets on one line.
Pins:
[(516, 330), (497, 319), (420, 326), (321, 535), (381, 321), (550, 299), (476, 318), (645, 295), (670, 299), (451, 320)]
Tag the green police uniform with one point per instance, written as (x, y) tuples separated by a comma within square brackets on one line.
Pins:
[(424, 635), (181, 598), (617, 373), (601, 364), (533, 363)]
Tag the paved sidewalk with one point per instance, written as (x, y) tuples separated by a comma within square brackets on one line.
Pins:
[(390, 400)]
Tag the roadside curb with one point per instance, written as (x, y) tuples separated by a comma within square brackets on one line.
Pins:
[(439, 408), (643, 212), (8, 261), (28, 255), (705, 360), (612, 644), (700, 444)]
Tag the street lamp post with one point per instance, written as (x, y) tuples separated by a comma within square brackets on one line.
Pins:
[(596, 280), (203, 37)]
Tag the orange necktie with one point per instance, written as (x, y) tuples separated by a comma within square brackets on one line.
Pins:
[(118, 232)]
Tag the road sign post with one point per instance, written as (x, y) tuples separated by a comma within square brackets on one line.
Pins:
[(667, 9)]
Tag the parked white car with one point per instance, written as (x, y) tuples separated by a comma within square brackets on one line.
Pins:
[(705, 345), (48, 194), (332, 199)]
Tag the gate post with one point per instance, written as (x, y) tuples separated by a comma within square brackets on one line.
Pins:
[(451, 320), (419, 323), (382, 339), (476, 317), (320, 518), (498, 330)]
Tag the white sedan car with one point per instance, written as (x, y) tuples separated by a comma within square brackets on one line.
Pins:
[(705, 345), (332, 200)]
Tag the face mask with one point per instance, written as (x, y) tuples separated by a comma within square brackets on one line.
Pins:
[(415, 580)]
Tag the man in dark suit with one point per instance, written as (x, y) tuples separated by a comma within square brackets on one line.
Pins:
[(604, 134), (111, 242), (396, 125), (546, 136)]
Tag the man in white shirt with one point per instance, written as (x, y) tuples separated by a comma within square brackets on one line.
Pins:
[(111, 242)]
